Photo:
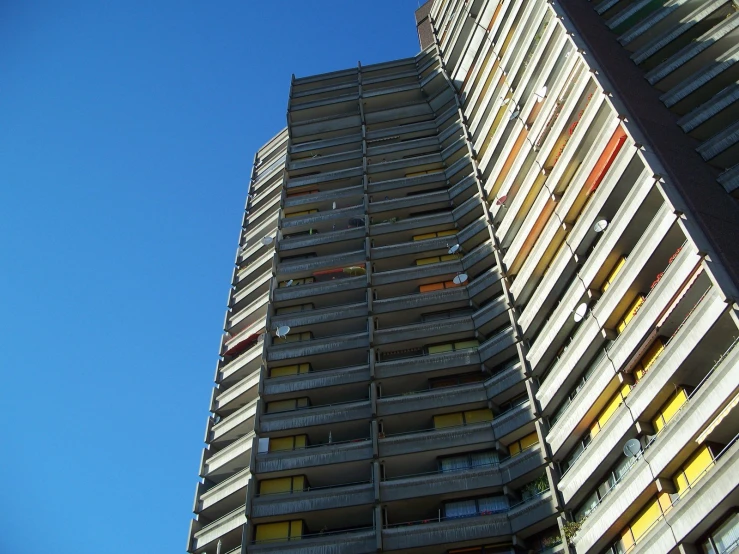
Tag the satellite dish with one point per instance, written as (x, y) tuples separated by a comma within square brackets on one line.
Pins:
[(454, 249), (505, 101), (289, 283), (541, 94), (514, 115), (267, 240), (282, 331), (600, 225), (333, 206), (632, 448), (580, 311), (500, 201), (460, 279)]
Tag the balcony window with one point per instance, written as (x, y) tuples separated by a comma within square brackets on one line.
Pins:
[(297, 483), (452, 346), (462, 418), (296, 282), (294, 309), (610, 408), (645, 362), (725, 538), (642, 523), (612, 274), (438, 286), (426, 236), (287, 405), (630, 313), (468, 461), (289, 370), (669, 409), (298, 214), (281, 444), (476, 506), (280, 531), (692, 471), (516, 447)]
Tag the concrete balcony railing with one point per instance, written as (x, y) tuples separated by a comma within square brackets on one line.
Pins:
[(431, 399), (236, 424), (301, 267), (433, 532), (246, 364), (340, 216), (213, 531), (337, 195), (555, 387), (405, 203), (348, 139), (420, 300), (231, 459), (485, 285), (430, 180), (572, 423), (259, 265), (333, 238), (354, 157), (324, 315), (235, 484), (427, 330), (317, 346), (316, 289), (384, 149), (315, 455), (720, 484), (249, 315), (492, 315), (330, 414), (316, 380), (250, 290), (311, 500), (241, 392), (713, 392), (437, 439), (492, 349), (532, 511), (413, 273), (504, 380), (321, 178), (410, 224), (361, 541), (424, 364)]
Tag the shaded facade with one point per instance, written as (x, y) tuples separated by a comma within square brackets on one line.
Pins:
[(466, 284)]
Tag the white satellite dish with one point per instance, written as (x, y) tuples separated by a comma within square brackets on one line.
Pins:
[(282, 331), (460, 279), (632, 448), (600, 226), (580, 311), (333, 206), (454, 249), (505, 101), (267, 240), (514, 115), (289, 283), (541, 94)]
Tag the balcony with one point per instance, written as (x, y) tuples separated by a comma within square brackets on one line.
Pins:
[(323, 243), (452, 481), (214, 496), (427, 364), (217, 529), (227, 461), (317, 346), (239, 368), (428, 533), (321, 316), (325, 198), (315, 415), (437, 439), (297, 269), (409, 184), (235, 425), (452, 329), (313, 499), (359, 450), (337, 288), (431, 399), (316, 380), (420, 300), (232, 398)]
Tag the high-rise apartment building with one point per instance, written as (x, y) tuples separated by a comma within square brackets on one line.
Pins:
[(485, 298)]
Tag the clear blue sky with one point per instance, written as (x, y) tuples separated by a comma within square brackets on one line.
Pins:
[(127, 130)]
